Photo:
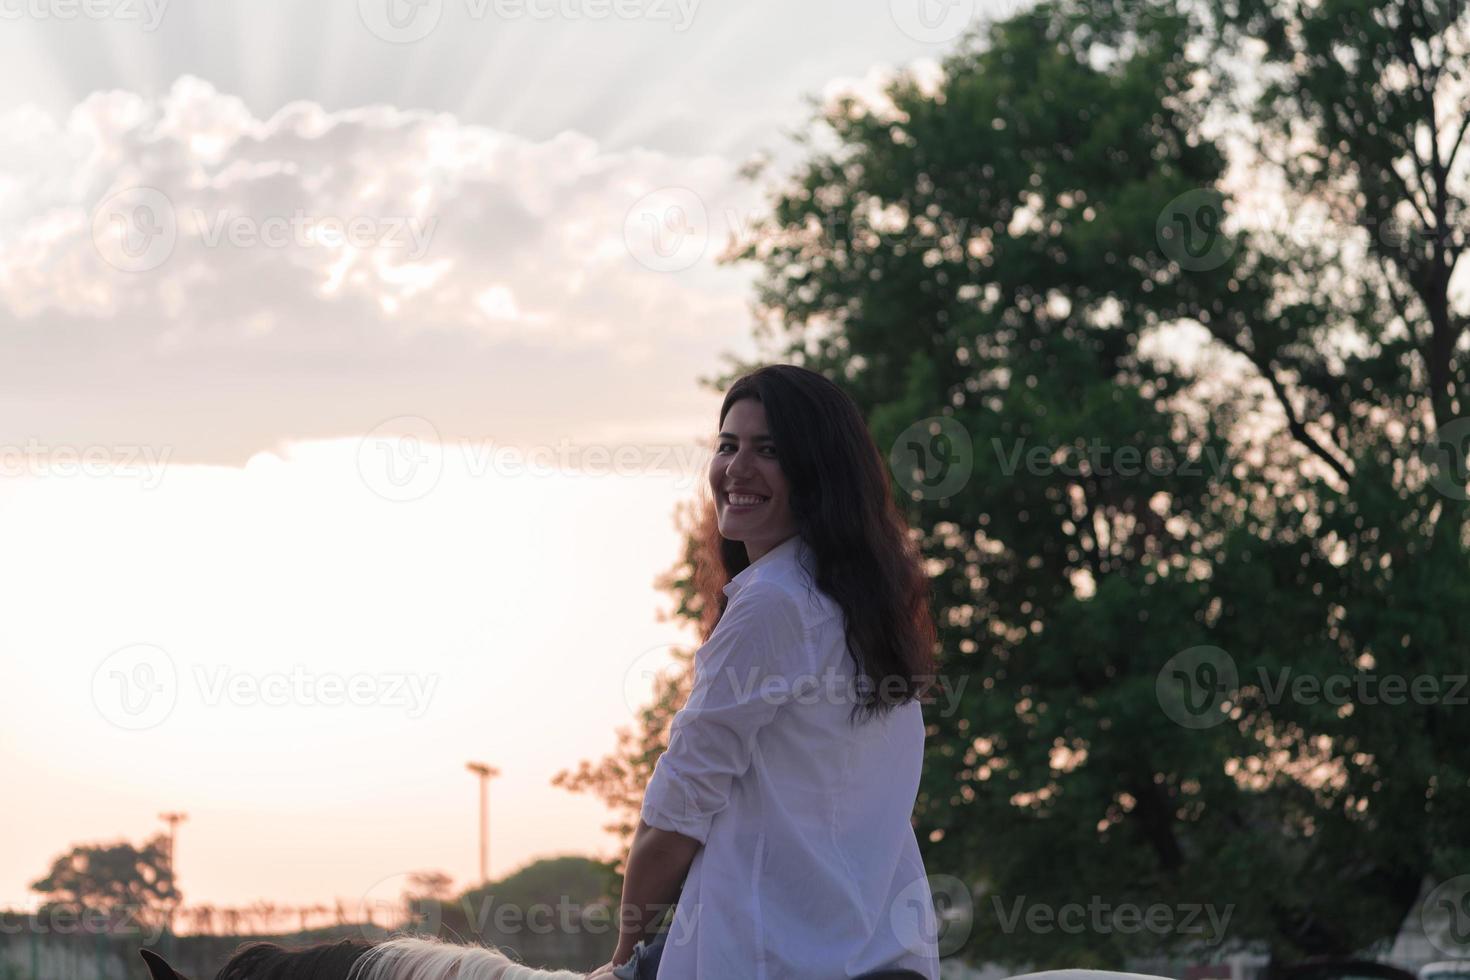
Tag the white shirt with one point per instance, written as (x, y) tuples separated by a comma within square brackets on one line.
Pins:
[(810, 869)]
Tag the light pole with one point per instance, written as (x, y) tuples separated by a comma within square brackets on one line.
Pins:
[(485, 772), (173, 818)]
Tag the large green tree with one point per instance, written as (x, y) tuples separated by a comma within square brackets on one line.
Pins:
[(1165, 465)]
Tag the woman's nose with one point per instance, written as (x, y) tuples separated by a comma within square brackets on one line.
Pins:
[(739, 464)]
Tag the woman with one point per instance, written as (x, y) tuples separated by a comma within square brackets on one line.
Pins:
[(779, 815)]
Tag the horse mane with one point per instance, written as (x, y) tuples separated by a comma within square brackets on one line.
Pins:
[(267, 961), (400, 958), (431, 958)]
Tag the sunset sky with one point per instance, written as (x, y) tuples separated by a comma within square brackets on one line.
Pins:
[(376, 244)]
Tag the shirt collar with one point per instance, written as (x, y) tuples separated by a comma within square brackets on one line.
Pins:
[(788, 552)]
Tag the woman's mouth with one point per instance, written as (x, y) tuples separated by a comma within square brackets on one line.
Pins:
[(744, 501)]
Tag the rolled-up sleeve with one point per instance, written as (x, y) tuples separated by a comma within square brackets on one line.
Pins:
[(748, 668)]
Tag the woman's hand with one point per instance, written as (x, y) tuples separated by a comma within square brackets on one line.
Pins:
[(605, 971)]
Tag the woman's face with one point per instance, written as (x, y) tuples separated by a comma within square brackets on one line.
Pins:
[(744, 463)]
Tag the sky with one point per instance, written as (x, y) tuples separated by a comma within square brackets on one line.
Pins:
[(348, 386)]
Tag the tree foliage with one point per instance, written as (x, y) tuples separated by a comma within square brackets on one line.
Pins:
[(1195, 451), (129, 885)]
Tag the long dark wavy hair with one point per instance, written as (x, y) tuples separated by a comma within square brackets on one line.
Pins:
[(845, 511)]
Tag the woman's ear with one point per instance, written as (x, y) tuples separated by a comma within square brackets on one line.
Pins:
[(158, 967)]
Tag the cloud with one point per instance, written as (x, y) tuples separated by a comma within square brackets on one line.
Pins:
[(870, 92), (178, 271)]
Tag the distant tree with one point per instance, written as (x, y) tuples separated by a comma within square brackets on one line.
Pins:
[(430, 884), (201, 918), (128, 884), (543, 891)]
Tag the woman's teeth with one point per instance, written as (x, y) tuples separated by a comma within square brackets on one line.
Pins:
[(742, 500)]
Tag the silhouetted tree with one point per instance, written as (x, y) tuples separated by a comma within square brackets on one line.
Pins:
[(129, 885)]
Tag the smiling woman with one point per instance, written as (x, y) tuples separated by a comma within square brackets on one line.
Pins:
[(787, 822), (752, 496)]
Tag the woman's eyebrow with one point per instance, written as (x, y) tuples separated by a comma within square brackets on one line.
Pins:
[(762, 437)]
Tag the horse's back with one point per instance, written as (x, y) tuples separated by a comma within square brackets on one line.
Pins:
[(1086, 975)]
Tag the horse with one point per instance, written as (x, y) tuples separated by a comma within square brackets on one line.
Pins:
[(398, 958)]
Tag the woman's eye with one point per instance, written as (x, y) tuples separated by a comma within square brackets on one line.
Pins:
[(771, 450)]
